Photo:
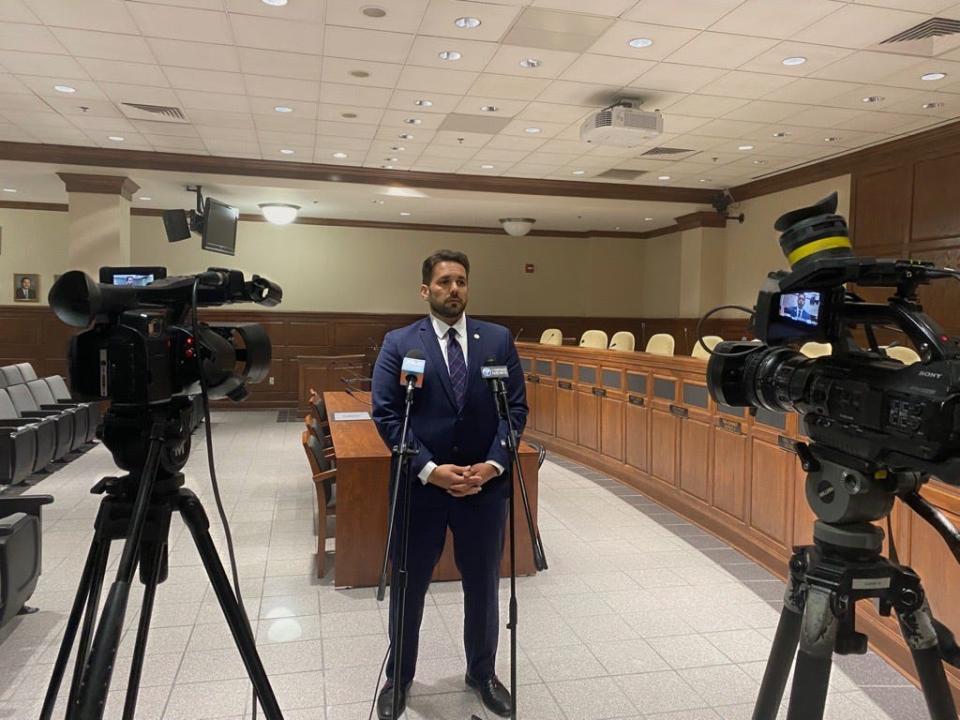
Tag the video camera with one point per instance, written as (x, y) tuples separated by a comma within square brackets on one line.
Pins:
[(856, 402), (146, 347)]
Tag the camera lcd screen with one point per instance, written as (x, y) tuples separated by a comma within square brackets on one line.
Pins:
[(137, 280), (802, 307), (219, 228)]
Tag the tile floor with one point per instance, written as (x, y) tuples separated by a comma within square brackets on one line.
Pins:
[(641, 614)]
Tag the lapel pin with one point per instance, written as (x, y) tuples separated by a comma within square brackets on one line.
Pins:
[(476, 336)]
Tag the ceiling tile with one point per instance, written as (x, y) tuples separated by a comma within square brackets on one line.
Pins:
[(418, 135), (310, 11), (666, 40), (16, 11), (398, 118), (883, 122), (206, 56), (775, 18), (10, 84), (215, 132), (727, 128), (370, 45), (105, 15), (180, 23), (854, 98), (677, 78), (338, 143), (506, 61), (554, 112), (301, 153), (451, 151), (810, 90), (122, 92), (765, 111), (34, 116), (859, 26), (554, 30), (402, 15), (529, 169), (22, 102), (282, 123), (712, 49), (706, 106), (699, 14), (346, 129), (437, 164), (614, 71), (475, 54), (824, 117), (682, 123), (124, 72), (226, 120), (30, 38), (497, 155), (928, 6), (547, 129), (266, 105), (817, 57), (286, 88), (275, 34), (240, 147), (911, 77), (54, 66), (85, 89), (445, 81), (108, 46), (471, 105), (363, 115), (512, 142), (206, 81), (750, 85), (950, 105), (565, 92), (12, 133), (564, 147), (509, 87), (339, 94), (207, 100), (339, 70), (278, 64), (68, 136), (439, 18), (865, 67), (172, 142), (82, 106), (109, 125), (697, 142), (612, 8), (157, 128), (406, 100)]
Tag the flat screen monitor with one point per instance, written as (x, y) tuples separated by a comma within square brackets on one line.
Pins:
[(219, 227), (132, 276), (802, 307)]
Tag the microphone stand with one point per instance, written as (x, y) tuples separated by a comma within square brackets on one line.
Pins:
[(539, 557), (402, 454)]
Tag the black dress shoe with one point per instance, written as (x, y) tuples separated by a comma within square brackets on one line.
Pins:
[(385, 703), (495, 697)]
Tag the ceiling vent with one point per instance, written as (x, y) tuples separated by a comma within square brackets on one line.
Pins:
[(620, 174), (159, 113), (932, 28), (670, 152)]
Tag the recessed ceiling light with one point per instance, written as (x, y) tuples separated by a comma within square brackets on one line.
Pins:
[(412, 121), (393, 159), (378, 202), (405, 214), (286, 151), (359, 73), (759, 162), (340, 155), (933, 76), (372, 11), (663, 177), (648, 219), (387, 167), (617, 227), (283, 109), (405, 136), (348, 115), (275, 3), (489, 108), (745, 147), (579, 172), (398, 148), (115, 138), (467, 23), (796, 60), (449, 55), (487, 167), (65, 88), (423, 103), (530, 63), (932, 105), (640, 42), (532, 130), (872, 99), (832, 138), (781, 133), (10, 190)]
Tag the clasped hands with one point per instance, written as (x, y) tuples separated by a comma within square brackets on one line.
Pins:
[(462, 480)]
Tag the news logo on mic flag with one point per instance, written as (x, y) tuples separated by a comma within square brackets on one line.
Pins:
[(490, 372), (412, 366)]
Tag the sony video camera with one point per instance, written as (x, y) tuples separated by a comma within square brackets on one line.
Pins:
[(857, 401), (144, 348)]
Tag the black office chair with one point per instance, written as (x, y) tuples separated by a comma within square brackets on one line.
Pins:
[(83, 433), (20, 552), (18, 451), (27, 407), (45, 430), (61, 394)]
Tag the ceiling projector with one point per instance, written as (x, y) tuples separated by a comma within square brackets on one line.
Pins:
[(622, 125)]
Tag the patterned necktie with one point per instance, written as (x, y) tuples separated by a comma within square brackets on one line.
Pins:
[(458, 368)]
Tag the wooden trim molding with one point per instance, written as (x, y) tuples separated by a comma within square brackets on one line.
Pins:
[(99, 184), (49, 207), (148, 160), (703, 218)]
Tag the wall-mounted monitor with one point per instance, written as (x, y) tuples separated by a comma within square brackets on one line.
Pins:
[(219, 227)]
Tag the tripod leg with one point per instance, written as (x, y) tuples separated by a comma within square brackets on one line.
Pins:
[(782, 651), (88, 594), (196, 520), (151, 568), (917, 629), (811, 677)]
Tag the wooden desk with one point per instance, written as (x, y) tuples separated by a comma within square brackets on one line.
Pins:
[(363, 478)]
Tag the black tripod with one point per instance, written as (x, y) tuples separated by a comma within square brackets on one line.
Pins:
[(153, 444), (845, 565)]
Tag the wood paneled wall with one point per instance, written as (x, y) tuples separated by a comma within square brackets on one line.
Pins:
[(34, 334)]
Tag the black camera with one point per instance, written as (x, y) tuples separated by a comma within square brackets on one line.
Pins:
[(857, 400), (145, 346)]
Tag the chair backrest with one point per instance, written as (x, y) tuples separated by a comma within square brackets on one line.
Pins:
[(311, 446), (908, 356), (661, 344), (27, 371), (7, 410), (816, 349), (551, 336), (594, 339), (41, 392), (317, 406), (58, 386), (11, 374), (624, 341), (711, 341), (22, 398)]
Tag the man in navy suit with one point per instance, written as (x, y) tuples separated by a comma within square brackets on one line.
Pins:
[(458, 477)]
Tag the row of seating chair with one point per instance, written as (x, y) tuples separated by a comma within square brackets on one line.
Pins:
[(624, 341), (39, 422), (20, 552), (318, 447), (906, 355)]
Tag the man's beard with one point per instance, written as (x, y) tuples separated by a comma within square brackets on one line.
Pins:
[(442, 309)]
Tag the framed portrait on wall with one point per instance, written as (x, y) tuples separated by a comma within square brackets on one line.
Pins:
[(26, 287)]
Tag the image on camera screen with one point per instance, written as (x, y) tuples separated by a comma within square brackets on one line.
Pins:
[(135, 280), (802, 307)]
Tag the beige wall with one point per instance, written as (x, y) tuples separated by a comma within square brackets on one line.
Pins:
[(31, 241)]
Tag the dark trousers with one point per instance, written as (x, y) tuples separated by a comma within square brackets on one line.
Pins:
[(477, 524)]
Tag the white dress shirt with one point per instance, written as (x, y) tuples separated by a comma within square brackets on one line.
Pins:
[(441, 328)]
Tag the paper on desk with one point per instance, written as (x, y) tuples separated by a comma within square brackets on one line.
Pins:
[(338, 416)]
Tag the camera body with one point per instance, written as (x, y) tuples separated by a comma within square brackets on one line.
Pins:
[(144, 349), (856, 401)]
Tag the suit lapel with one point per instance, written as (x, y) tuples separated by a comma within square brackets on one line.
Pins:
[(475, 356), (432, 347)]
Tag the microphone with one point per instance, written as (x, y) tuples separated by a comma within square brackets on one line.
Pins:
[(517, 336), (412, 368), (492, 371)]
